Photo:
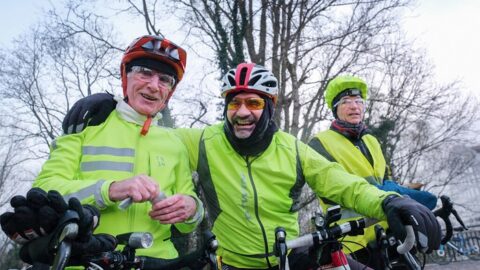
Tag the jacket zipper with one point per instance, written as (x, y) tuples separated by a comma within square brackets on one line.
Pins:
[(131, 209), (265, 241)]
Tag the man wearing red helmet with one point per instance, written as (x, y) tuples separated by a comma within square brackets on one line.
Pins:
[(252, 175), (130, 157)]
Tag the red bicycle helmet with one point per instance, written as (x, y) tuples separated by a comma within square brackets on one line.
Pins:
[(158, 49)]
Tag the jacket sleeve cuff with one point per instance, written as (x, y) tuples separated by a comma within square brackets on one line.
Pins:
[(197, 218), (102, 198)]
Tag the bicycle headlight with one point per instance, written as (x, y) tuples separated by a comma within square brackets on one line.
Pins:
[(140, 240)]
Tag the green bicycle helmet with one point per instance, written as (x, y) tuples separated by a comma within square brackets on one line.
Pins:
[(341, 84)]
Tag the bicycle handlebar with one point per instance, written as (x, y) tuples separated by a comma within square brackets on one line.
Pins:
[(444, 213), (64, 246), (332, 233), (123, 260), (118, 260), (338, 231), (409, 241)]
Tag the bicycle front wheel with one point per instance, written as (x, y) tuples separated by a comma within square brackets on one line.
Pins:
[(441, 257), (473, 246)]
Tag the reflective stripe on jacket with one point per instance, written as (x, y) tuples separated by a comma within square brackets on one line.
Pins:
[(248, 197), (343, 151), (85, 164)]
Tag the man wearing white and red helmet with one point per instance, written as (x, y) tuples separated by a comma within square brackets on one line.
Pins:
[(252, 175), (129, 156)]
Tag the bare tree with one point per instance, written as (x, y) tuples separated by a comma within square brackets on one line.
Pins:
[(411, 115), (305, 43), (11, 183), (43, 73), (46, 71)]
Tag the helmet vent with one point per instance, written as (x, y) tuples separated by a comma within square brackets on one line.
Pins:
[(231, 80), (254, 80), (259, 71), (270, 84), (243, 75)]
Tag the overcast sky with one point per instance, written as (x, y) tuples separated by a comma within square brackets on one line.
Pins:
[(450, 33), (449, 30)]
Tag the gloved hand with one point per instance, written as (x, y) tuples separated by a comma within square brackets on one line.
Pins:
[(402, 211), (47, 214), (34, 215), (424, 197), (88, 111), (41, 249)]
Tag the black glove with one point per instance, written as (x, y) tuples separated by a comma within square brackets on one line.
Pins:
[(43, 249), (39, 213), (34, 215), (402, 211), (88, 111)]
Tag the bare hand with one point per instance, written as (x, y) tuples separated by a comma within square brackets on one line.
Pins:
[(140, 188), (174, 209)]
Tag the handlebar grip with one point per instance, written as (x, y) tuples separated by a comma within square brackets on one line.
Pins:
[(64, 247), (302, 241), (409, 241)]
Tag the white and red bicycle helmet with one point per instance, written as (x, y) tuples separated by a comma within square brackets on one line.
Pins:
[(250, 77)]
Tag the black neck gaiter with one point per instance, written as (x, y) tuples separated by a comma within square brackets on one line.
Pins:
[(261, 136)]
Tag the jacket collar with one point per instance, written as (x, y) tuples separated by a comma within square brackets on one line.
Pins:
[(128, 114)]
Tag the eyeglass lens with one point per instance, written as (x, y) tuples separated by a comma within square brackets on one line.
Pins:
[(250, 103)]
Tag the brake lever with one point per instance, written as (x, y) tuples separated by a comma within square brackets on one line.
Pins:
[(281, 247), (62, 243)]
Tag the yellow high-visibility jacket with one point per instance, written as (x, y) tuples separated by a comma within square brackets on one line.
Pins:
[(248, 197), (84, 165), (338, 148)]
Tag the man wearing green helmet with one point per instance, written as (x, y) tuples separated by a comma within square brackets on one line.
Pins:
[(349, 143)]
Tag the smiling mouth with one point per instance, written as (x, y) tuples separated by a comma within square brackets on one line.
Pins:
[(244, 122), (148, 97)]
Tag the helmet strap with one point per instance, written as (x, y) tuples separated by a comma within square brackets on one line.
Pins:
[(124, 80)]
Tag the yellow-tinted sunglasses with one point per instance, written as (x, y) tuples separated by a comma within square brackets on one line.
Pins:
[(251, 104)]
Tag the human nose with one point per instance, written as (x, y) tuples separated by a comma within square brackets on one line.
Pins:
[(156, 84), (355, 105), (243, 110)]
